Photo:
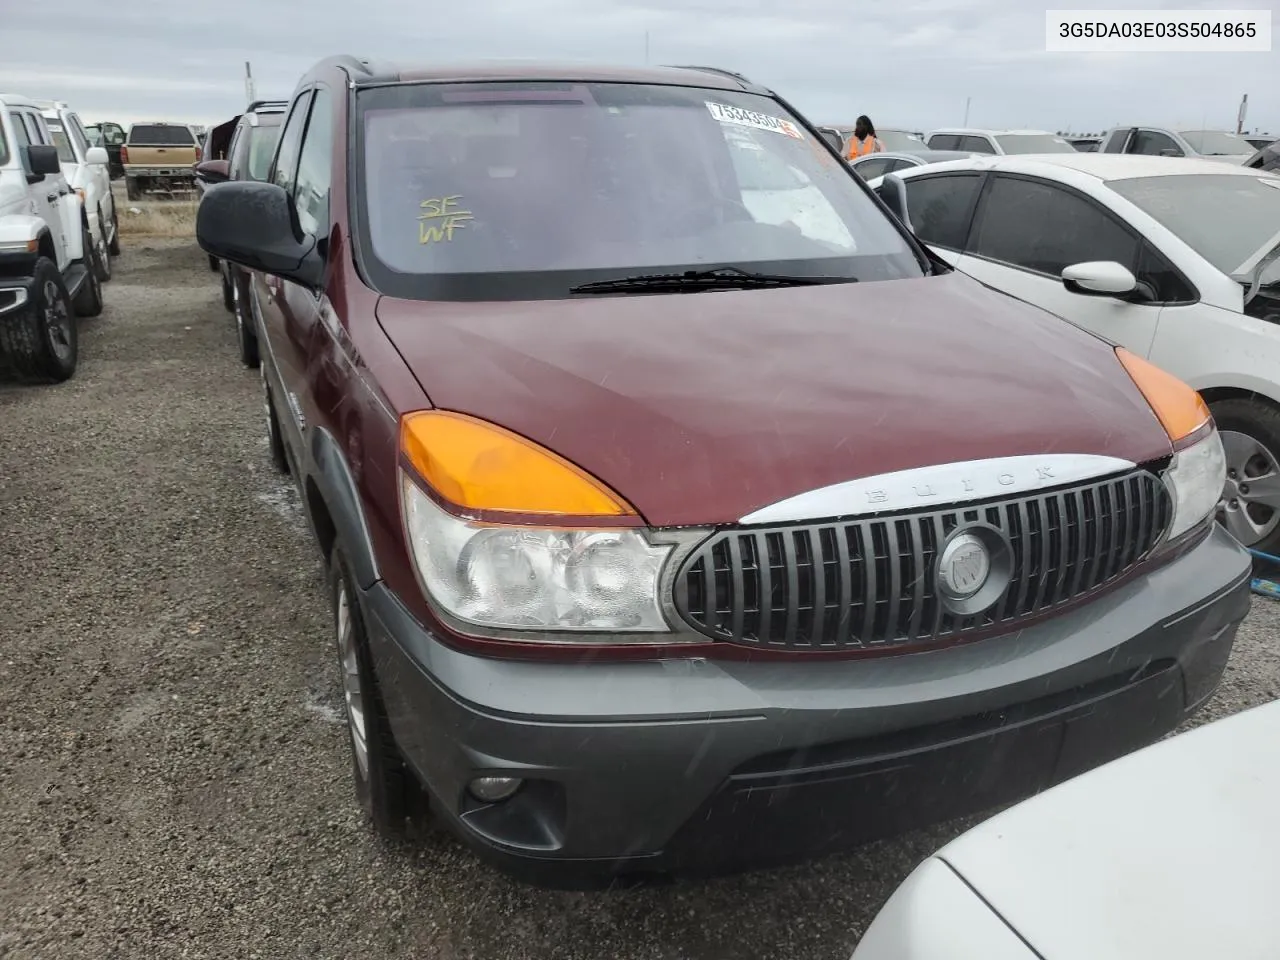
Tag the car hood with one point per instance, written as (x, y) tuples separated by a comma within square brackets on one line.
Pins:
[(1169, 852), (700, 408)]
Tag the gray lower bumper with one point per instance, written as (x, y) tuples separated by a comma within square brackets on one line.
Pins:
[(690, 762)]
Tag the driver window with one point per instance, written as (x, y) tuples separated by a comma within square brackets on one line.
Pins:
[(1153, 144)]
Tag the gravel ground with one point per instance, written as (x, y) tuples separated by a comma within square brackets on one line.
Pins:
[(174, 775)]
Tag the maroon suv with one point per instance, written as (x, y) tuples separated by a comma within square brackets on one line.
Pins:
[(681, 511)]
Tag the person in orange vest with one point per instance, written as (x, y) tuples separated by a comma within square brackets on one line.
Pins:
[(864, 139)]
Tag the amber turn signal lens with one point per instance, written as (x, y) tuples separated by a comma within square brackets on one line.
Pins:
[(477, 465), (1179, 408)]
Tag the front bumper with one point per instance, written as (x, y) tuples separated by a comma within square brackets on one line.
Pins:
[(702, 766)]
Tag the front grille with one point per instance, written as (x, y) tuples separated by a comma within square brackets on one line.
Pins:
[(872, 583)]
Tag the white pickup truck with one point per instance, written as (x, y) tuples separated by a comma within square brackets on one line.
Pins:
[(86, 169), (48, 270)]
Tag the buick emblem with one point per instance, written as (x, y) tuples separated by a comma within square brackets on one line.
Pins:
[(963, 567)]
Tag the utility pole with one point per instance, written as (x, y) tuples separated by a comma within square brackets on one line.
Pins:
[(1244, 107), (248, 83), (966, 111), (646, 48)]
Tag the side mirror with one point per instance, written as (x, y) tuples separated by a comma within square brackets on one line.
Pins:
[(42, 161), (97, 157), (213, 171), (894, 194), (254, 225), (1099, 278)]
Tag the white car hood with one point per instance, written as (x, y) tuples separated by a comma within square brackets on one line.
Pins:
[(1172, 852)]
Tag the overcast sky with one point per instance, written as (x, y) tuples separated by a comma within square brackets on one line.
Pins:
[(909, 63)]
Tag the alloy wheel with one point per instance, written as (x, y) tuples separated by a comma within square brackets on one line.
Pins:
[(1250, 505), (57, 318), (351, 691)]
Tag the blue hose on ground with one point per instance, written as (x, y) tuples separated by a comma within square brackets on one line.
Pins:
[(1261, 585)]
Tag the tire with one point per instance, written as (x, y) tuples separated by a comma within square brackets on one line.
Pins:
[(88, 300), (42, 343), (228, 297), (246, 333), (275, 442), (114, 247), (131, 189), (386, 788), (102, 255), (1250, 431), (214, 263)]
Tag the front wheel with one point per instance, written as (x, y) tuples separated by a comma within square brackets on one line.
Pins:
[(102, 254), (42, 343), (246, 334), (275, 442), (88, 299), (114, 246), (1250, 505), (386, 789)]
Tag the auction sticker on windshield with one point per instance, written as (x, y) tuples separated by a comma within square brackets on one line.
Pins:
[(749, 118)]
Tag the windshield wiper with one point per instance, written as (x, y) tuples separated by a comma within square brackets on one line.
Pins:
[(1249, 273), (692, 281)]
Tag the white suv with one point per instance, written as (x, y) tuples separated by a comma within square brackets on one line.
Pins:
[(48, 271), (86, 169), (998, 142)]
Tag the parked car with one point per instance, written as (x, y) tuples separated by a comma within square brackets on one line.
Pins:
[(900, 141), (159, 157), (1169, 852), (1262, 142), (1161, 142), (1268, 159), (998, 142), (873, 165), (1157, 255), (249, 150), (47, 271), (111, 137), (85, 168), (1085, 144), (661, 537)]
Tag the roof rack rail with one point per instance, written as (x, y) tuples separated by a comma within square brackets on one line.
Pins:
[(719, 71), (258, 104)]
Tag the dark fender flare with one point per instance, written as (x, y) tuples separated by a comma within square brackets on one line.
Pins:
[(337, 488)]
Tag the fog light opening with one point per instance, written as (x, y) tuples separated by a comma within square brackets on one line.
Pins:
[(494, 789)]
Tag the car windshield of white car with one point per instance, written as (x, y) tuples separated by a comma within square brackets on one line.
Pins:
[(1226, 218), (1034, 143), (65, 152), (588, 181), (262, 145), (897, 140), (1213, 143)]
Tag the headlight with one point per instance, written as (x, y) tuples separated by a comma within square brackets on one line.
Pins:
[(525, 539), (1198, 471), (534, 578), (1195, 479)]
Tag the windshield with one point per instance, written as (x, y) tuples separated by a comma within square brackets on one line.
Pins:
[(899, 140), (1212, 143), (552, 185), (1225, 218), (262, 144), (1033, 143), (164, 135), (66, 153)]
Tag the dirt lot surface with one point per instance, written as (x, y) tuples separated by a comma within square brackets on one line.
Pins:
[(174, 773)]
